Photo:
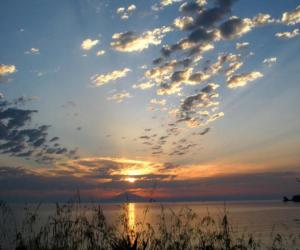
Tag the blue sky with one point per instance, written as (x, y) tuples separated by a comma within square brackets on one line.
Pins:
[(178, 130)]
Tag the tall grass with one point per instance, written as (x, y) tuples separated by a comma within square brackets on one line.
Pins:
[(70, 228)]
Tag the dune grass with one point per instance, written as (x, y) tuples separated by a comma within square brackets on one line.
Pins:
[(70, 228)]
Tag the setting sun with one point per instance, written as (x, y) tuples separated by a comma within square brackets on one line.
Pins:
[(130, 179)]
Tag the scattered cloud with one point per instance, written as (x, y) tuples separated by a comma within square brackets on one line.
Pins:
[(33, 51), (270, 61), (102, 79), (262, 19), (88, 44), (125, 13), (235, 27), (292, 17), (288, 34), (191, 7), (161, 102), (163, 4), (241, 80), (130, 42), (119, 97), (23, 100), (143, 86), (194, 108), (20, 139), (120, 10), (7, 69), (100, 53), (241, 45), (183, 23), (131, 8)]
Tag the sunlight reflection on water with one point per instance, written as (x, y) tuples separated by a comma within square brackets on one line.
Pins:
[(131, 216)]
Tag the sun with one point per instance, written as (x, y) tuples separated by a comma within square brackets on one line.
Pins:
[(130, 179)]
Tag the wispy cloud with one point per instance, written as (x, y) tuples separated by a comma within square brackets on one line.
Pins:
[(102, 79), (143, 86), (119, 97)]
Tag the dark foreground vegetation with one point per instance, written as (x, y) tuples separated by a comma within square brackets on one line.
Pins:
[(71, 228)]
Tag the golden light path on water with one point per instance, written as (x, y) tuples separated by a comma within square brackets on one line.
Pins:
[(131, 216)]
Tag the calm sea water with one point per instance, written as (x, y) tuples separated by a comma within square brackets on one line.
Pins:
[(260, 218)]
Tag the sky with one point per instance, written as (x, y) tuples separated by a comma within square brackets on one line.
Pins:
[(164, 99)]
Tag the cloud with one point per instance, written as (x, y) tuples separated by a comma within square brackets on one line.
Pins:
[(235, 27), (183, 23), (241, 45), (204, 26), (19, 138), (288, 34), (102, 79), (262, 19), (227, 187), (241, 80), (131, 8), (130, 42), (7, 69), (171, 80), (192, 107), (88, 44), (270, 61), (120, 10), (100, 53), (33, 51), (164, 72), (292, 17), (176, 80), (161, 102), (125, 13), (215, 68), (23, 100), (163, 4), (69, 104), (112, 170), (168, 2), (209, 17), (92, 175), (119, 97), (195, 6), (233, 67), (143, 86)]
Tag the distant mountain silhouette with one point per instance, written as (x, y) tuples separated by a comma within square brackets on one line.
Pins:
[(295, 198), (127, 197)]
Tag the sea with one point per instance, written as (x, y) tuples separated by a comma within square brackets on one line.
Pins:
[(262, 219)]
